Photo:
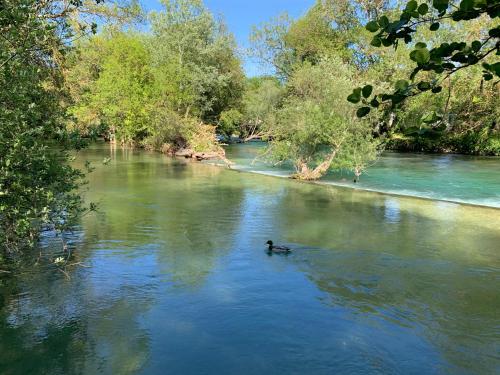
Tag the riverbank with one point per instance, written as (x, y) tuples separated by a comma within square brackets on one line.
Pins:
[(473, 143)]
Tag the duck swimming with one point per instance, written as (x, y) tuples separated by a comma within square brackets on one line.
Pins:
[(277, 249)]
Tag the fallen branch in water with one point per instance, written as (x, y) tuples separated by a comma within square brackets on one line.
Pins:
[(65, 273)]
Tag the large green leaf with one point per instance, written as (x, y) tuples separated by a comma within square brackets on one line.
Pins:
[(355, 97), (411, 6), (401, 85), (423, 9), (363, 111), (421, 56), (434, 26), (372, 26), (367, 91)]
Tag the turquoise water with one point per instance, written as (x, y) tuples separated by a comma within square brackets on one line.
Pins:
[(171, 276), (458, 178)]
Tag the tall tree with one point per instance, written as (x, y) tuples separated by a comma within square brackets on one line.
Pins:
[(38, 187)]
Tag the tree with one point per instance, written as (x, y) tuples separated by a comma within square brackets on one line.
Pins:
[(315, 127), (261, 99), (37, 185), (437, 62), (120, 96), (194, 60), (270, 48), (162, 89)]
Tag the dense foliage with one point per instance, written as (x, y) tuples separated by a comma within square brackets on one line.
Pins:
[(450, 47), (315, 127), (312, 126), (37, 185), (39, 189), (160, 89)]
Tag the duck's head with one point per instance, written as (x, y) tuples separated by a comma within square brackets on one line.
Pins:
[(270, 243)]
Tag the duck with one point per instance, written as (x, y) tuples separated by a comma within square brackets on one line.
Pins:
[(277, 248)]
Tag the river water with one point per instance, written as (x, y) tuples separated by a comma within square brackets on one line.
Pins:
[(456, 178), (173, 278)]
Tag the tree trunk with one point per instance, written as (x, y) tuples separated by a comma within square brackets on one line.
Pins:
[(305, 173), (357, 173), (252, 136)]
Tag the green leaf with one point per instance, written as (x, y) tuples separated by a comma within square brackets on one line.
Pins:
[(424, 86), (355, 97), (421, 56), (374, 103), (367, 91), (487, 76), (383, 21), (495, 68), (434, 26), (372, 26), (386, 42), (437, 89), (376, 41), (415, 72), (420, 45), (363, 111), (466, 5), (459, 57), (476, 45), (440, 5), (411, 6), (401, 85), (494, 33), (396, 99), (423, 9)]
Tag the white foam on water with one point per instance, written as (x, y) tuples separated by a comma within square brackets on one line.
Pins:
[(487, 202)]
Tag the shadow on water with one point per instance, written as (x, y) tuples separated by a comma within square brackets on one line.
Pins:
[(178, 278), (50, 324)]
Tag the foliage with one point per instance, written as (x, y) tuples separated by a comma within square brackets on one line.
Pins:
[(37, 184), (270, 48), (444, 59), (194, 60), (230, 122), (315, 128), (154, 89), (261, 99), (120, 96), (317, 58)]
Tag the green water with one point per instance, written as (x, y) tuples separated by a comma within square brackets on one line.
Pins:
[(456, 178), (174, 279)]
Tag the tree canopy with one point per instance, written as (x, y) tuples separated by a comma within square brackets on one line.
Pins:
[(438, 60)]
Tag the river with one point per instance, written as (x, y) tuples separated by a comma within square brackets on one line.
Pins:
[(455, 178), (172, 275)]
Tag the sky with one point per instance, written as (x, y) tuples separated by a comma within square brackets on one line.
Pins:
[(241, 15)]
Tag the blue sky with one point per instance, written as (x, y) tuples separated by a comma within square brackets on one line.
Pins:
[(241, 15)]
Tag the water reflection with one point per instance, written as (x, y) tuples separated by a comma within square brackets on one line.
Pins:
[(457, 178), (52, 325), (178, 279)]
